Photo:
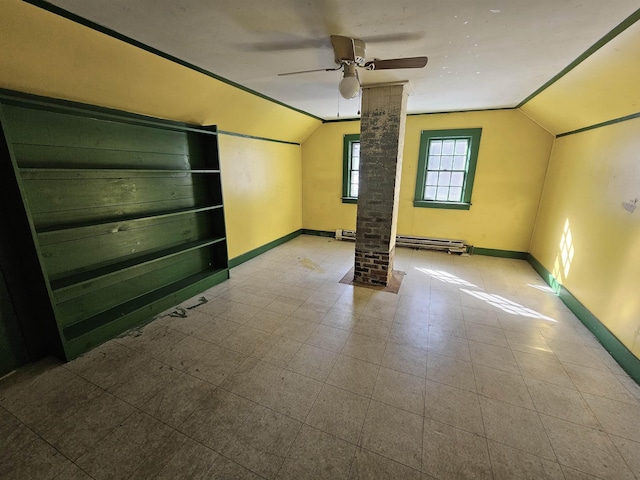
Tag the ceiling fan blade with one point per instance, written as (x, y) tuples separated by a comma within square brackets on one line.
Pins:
[(310, 71), (343, 48), (409, 62)]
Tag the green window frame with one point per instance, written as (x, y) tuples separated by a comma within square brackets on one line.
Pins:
[(350, 168), (446, 168)]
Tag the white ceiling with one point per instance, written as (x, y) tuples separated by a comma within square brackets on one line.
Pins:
[(482, 53)]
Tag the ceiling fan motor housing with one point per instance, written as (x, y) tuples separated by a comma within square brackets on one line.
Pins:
[(348, 50)]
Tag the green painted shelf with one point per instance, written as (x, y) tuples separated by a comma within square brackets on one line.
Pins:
[(125, 213)]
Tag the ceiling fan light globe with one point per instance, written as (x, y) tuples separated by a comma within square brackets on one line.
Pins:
[(349, 87)]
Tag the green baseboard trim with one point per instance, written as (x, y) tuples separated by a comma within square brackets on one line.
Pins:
[(493, 252), (627, 360), (234, 262), (318, 233)]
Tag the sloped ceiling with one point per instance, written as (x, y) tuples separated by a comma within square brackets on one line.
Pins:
[(483, 54)]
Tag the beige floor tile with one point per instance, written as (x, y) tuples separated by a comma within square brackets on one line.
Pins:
[(14, 435), (37, 459), (405, 359), (444, 344), (393, 433), (451, 371), (599, 382), (184, 353), (252, 379), (216, 364), (316, 455), (283, 305), (178, 400), (363, 347), (564, 403), (239, 313), (75, 434), (329, 338), (339, 412), (340, 319), (192, 461), (311, 312), (449, 452), (585, 449), (509, 463), (501, 385), (140, 444), (245, 340), (373, 327), (73, 472), (480, 316), (145, 382), (217, 419), (224, 468), (313, 362), (515, 426), (369, 466), (296, 329), (354, 375), (416, 336), (400, 390), (493, 356), (266, 320), (292, 394), (546, 369), (262, 443), (277, 350), (447, 326), (630, 451), (107, 364), (450, 405), (486, 334), (150, 339), (572, 474), (441, 342), (188, 322), (216, 330), (617, 418)]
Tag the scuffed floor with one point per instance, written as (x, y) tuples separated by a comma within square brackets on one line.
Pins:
[(474, 370)]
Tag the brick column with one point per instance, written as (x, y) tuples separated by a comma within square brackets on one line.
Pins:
[(384, 109)]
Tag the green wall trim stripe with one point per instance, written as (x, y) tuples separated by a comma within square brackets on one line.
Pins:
[(617, 30), (627, 360), (357, 119), (253, 137), (112, 33), (602, 124), (318, 233), (234, 262), (57, 105), (493, 252)]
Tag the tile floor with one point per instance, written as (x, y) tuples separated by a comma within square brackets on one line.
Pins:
[(474, 370)]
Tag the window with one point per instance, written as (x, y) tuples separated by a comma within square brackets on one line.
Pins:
[(350, 168), (446, 167)]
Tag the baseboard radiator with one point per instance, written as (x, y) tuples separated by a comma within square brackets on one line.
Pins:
[(443, 244)]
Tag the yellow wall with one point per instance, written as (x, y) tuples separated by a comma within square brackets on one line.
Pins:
[(591, 175), (48, 55), (601, 88), (510, 172), (262, 191)]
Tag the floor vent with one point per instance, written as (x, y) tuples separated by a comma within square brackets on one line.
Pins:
[(443, 244)]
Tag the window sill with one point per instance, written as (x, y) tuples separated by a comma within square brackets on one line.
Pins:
[(446, 205), (349, 199)]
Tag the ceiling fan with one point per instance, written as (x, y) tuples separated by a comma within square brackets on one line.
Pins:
[(348, 54)]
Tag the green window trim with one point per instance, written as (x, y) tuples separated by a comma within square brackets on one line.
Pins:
[(426, 136), (348, 142)]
